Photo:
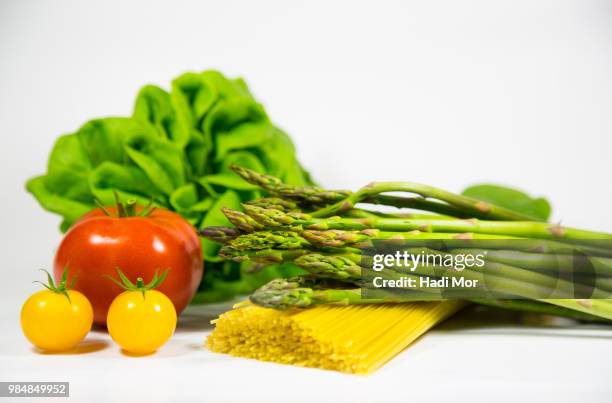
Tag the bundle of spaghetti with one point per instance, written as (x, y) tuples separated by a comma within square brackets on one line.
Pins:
[(349, 338)]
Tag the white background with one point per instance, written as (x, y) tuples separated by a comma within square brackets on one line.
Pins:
[(442, 92)]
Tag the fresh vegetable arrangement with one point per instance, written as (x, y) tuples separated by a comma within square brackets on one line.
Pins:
[(176, 149), (324, 231), (271, 232)]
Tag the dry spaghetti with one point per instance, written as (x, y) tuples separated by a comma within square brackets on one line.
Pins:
[(352, 338)]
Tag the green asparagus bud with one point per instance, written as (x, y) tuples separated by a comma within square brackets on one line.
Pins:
[(273, 218), (267, 240), (311, 194), (219, 234), (275, 203), (331, 266), (299, 293), (283, 294), (265, 256), (338, 238), (242, 221)]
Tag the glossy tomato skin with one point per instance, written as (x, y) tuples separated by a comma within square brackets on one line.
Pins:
[(141, 323), (55, 322), (97, 244)]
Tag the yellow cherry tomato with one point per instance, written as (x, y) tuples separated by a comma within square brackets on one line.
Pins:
[(56, 320), (141, 321)]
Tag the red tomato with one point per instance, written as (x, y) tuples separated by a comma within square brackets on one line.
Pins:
[(98, 243)]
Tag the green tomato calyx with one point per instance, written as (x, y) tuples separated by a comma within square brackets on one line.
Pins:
[(127, 208), (62, 287), (140, 285)]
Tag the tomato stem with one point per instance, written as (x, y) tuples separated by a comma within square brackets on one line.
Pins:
[(121, 212), (101, 207), (127, 209), (148, 209), (130, 208), (140, 285), (62, 287)]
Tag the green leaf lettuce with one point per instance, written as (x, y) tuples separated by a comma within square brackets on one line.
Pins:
[(176, 148)]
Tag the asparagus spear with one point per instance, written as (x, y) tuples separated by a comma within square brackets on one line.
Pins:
[(219, 234), (467, 204), (338, 256), (420, 203), (342, 267), (362, 238), (316, 195), (499, 277), (296, 293), (345, 268), (560, 263), (275, 203), (267, 240), (311, 194), (340, 238), (242, 221), (246, 247), (337, 266), (539, 307), (529, 229), (269, 256)]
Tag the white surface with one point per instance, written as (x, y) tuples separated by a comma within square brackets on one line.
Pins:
[(441, 92), (464, 360)]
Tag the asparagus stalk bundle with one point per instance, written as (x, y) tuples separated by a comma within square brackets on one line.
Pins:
[(326, 231)]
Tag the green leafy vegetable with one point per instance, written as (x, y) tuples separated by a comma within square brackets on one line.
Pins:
[(539, 209), (176, 148)]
